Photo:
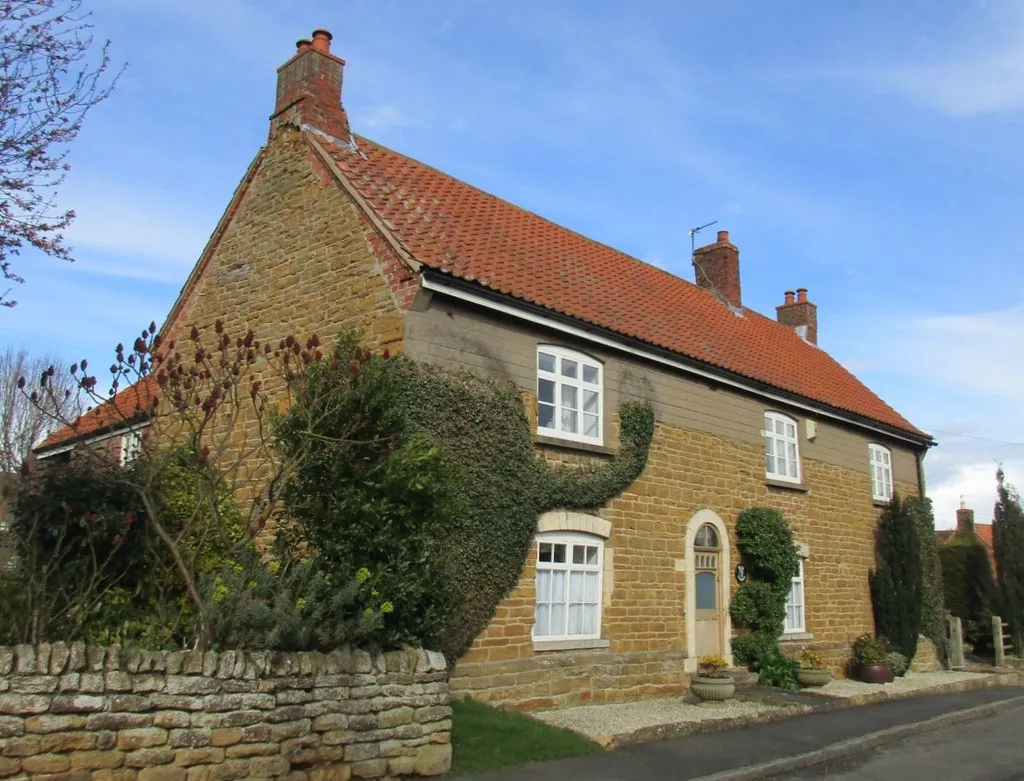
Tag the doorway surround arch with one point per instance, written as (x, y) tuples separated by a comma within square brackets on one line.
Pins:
[(700, 518)]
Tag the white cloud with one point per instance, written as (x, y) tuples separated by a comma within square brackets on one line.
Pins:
[(387, 115)]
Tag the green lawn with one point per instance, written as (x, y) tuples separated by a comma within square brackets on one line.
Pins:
[(485, 738)]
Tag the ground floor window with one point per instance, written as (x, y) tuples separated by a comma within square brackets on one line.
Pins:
[(568, 586), (795, 619)]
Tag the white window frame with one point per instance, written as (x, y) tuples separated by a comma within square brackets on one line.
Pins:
[(581, 386), (880, 463), (131, 446), (796, 588), (773, 439), (569, 539)]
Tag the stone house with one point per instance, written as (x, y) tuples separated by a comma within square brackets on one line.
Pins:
[(329, 231), (967, 526)]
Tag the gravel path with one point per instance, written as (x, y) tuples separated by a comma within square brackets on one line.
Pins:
[(910, 682), (598, 722)]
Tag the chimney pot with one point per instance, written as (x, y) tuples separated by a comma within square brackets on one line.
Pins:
[(789, 298), (799, 314), (322, 41), (965, 521), (302, 44), (723, 235), (801, 295), (717, 268)]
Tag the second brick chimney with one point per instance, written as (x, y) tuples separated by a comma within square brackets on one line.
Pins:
[(309, 89), (717, 268), (964, 519), (799, 314)]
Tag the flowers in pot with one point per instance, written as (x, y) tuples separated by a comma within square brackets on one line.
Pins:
[(711, 681), (812, 671), (870, 655)]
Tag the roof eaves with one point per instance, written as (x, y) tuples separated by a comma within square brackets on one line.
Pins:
[(716, 372)]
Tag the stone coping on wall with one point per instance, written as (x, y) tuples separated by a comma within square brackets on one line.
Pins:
[(83, 712)]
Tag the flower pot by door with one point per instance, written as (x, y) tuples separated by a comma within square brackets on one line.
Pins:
[(712, 689), (875, 673), (813, 676)]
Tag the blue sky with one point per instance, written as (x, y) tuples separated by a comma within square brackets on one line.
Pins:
[(868, 151)]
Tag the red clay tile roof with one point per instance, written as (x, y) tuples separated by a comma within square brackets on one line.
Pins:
[(126, 406), (453, 227)]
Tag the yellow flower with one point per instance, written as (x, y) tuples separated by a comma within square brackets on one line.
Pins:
[(387, 607), (220, 591), (252, 585), (363, 574), (300, 604), (274, 567)]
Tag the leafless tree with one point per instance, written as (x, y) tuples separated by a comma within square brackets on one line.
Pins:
[(24, 423), (51, 74)]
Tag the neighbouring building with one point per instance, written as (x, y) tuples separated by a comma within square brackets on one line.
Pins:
[(967, 526), (329, 231)]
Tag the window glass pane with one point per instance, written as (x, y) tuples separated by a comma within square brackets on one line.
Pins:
[(590, 374), (569, 368), (590, 620), (767, 423), (546, 362), (769, 446), (591, 401), (543, 585), (558, 619), (591, 425), (579, 553), (545, 552), (569, 397), (570, 423), (779, 427), (780, 464), (769, 463), (706, 591), (546, 391), (575, 620), (558, 586), (545, 416), (791, 451), (885, 457), (542, 620), (559, 557), (576, 586), (792, 468), (592, 555), (593, 584), (791, 431)]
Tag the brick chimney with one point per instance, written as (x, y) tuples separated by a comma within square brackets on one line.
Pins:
[(309, 89), (799, 314), (717, 268), (964, 519)]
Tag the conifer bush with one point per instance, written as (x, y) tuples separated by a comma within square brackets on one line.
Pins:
[(897, 582), (1008, 540)]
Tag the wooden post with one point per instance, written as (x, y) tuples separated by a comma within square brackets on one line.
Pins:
[(956, 644), (997, 640)]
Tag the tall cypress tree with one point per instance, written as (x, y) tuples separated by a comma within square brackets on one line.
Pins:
[(1008, 541), (933, 625), (897, 582)]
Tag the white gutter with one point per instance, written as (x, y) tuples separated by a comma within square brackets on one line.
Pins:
[(581, 333), (98, 438)]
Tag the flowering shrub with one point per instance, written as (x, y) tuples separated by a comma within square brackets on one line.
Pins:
[(810, 660), (712, 666)]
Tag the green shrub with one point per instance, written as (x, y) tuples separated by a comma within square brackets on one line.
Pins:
[(1008, 543), (868, 649), (933, 622), (969, 588), (897, 580), (759, 605), (898, 663)]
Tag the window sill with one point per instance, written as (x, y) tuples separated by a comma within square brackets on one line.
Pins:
[(571, 444), (569, 645), (792, 637), (772, 482), (881, 502)]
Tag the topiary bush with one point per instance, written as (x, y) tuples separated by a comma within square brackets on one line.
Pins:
[(766, 544), (897, 582)]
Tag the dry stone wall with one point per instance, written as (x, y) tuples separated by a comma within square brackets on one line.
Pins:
[(90, 712)]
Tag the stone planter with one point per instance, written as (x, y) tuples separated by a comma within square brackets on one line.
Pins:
[(813, 676), (712, 689), (874, 673)]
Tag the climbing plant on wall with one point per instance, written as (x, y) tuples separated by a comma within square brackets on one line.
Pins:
[(494, 488), (769, 552), (933, 624)]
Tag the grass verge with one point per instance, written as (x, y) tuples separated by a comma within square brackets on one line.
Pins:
[(485, 738)]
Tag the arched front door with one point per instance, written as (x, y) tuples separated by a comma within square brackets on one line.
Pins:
[(707, 560)]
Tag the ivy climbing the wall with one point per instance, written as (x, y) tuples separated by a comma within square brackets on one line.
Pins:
[(768, 549), (490, 484)]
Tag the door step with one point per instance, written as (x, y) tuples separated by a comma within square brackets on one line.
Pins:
[(743, 678)]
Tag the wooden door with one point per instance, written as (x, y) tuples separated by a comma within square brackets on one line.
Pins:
[(709, 611)]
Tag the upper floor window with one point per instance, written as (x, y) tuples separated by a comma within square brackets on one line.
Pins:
[(880, 460), (781, 448), (569, 388), (131, 446), (568, 586)]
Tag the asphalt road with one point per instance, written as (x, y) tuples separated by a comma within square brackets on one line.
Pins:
[(990, 749)]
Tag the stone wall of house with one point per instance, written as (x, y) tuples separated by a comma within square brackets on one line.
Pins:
[(80, 712)]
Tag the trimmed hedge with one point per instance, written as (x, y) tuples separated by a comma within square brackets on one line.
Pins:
[(969, 588)]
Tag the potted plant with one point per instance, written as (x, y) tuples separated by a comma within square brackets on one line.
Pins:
[(812, 671), (870, 655), (711, 681)]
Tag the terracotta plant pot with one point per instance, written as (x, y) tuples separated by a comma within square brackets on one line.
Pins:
[(813, 676), (874, 673), (712, 689)]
